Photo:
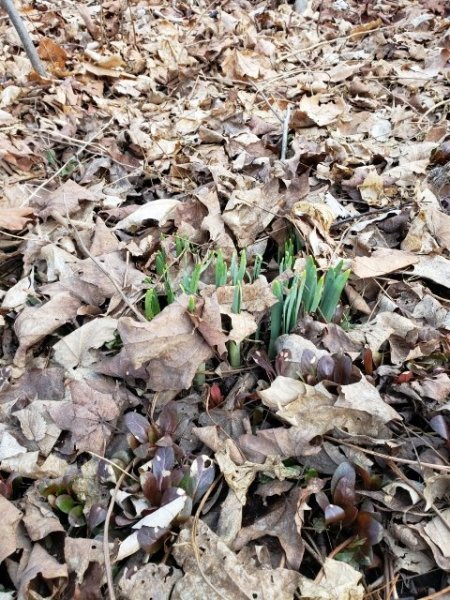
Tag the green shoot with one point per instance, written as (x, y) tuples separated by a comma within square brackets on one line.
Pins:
[(335, 280), (169, 290), (317, 294), (237, 272), (288, 259), (276, 317), (307, 293), (234, 348), (292, 302), (242, 267), (234, 354), (191, 304), (310, 284), (151, 304), (257, 267), (160, 263), (220, 270), (182, 245), (236, 304), (189, 283)]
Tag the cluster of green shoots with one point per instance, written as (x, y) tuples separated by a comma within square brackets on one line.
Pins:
[(304, 294), (233, 274), (237, 271)]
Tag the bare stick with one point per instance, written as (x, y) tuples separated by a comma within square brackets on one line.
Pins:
[(24, 36), (107, 556), (284, 140)]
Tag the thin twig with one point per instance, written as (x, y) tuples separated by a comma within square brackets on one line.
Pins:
[(432, 109), (266, 100), (69, 160), (327, 42), (194, 533), (416, 488), (404, 461), (284, 141), (113, 464), (107, 556)]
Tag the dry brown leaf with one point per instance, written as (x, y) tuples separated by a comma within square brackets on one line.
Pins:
[(34, 323), (39, 520), (40, 564), (49, 50), (248, 212), (314, 411), (323, 109), (434, 268), (382, 261), (240, 476), (135, 584), (11, 517), (65, 200), (14, 219), (340, 581), (37, 426), (80, 553), (244, 64), (76, 349), (279, 523), (168, 346), (225, 572), (365, 397), (90, 416), (157, 210)]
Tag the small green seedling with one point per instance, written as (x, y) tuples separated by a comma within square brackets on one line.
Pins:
[(151, 304), (234, 348), (307, 293)]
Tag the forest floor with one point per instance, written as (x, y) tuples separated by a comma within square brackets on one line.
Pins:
[(224, 301)]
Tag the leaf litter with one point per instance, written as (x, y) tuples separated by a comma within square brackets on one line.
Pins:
[(197, 398)]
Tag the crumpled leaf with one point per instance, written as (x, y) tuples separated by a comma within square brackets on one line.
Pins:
[(75, 349), (248, 212), (279, 522), (65, 200), (34, 323), (239, 477), (40, 564), (340, 581), (435, 268), (14, 218), (160, 578), (314, 411), (11, 517), (168, 346), (157, 210), (322, 109), (90, 416), (227, 573)]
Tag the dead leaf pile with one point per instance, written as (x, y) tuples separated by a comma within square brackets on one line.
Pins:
[(177, 171)]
